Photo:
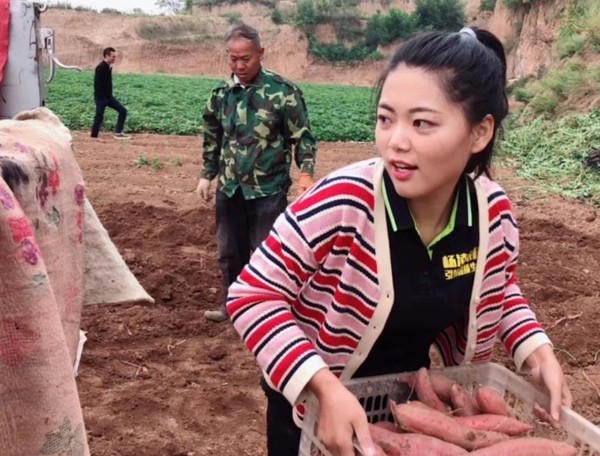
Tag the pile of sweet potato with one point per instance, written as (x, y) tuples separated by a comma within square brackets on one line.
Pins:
[(446, 420)]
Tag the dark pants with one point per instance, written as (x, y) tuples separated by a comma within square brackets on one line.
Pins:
[(101, 105), (283, 436), (242, 225)]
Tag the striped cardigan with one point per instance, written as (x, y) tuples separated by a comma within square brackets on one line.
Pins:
[(318, 291)]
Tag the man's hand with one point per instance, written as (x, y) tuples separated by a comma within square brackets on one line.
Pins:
[(203, 189), (305, 180)]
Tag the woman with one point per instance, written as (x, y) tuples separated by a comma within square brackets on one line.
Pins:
[(382, 259)]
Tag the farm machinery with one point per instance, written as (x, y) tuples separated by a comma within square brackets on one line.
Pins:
[(24, 45)]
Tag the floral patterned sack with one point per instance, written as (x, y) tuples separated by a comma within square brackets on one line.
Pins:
[(41, 287)]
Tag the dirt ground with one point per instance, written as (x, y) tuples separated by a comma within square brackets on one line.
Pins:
[(160, 380)]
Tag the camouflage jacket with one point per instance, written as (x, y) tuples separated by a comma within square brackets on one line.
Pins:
[(249, 134)]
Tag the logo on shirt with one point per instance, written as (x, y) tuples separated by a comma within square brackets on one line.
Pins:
[(459, 264)]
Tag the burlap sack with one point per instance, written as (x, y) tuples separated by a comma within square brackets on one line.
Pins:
[(108, 279), (41, 288), (4, 34)]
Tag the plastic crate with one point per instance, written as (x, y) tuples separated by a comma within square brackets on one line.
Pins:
[(374, 394)]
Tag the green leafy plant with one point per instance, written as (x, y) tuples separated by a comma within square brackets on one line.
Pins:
[(277, 17), (177, 161), (544, 101), (337, 52), (232, 17), (110, 11), (570, 45), (595, 74), (517, 84), (552, 152), (523, 94), (440, 14), (141, 161), (172, 105), (487, 5), (515, 4), (156, 164), (384, 29)]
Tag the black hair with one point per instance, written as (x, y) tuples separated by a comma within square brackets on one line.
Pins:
[(471, 66), (108, 51)]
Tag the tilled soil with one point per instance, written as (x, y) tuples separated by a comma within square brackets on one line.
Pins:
[(160, 380)]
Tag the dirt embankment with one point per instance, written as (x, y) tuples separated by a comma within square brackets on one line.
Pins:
[(529, 38), (81, 36)]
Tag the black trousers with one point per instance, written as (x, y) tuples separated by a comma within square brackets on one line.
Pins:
[(101, 105), (242, 225), (283, 436)]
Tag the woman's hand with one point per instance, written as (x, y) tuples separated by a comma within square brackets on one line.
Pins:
[(341, 416), (546, 370)]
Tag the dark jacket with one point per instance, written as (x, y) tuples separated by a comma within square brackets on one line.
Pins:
[(103, 81)]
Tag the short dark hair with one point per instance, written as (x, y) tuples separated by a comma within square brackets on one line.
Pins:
[(471, 66), (108, 51), (242, 30)]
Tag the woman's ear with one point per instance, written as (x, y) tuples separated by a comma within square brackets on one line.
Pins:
[(482, 134)]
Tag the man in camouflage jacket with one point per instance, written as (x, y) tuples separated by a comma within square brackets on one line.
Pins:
[(251, 123)]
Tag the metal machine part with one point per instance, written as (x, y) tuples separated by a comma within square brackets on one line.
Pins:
[(23, 85)]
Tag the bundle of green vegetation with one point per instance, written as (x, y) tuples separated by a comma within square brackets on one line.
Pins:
[(358, 39)]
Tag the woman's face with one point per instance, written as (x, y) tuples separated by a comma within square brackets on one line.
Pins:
[(424, 138)]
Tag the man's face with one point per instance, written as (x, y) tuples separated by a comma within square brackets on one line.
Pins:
[(244, 59), (110, 58)]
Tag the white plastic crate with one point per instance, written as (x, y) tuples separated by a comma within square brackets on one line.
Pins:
[(374, 394)]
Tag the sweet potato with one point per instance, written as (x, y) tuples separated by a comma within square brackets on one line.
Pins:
[(489, 401), (387, 426), (425, 392), (441, 385), (418, 404), (530, 446), (395, 444), (437, 424), (463, 404), (498, 423)]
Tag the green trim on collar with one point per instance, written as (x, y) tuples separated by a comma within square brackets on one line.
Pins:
[(446, 231), (451, 222), (388, 208), (469, 207)]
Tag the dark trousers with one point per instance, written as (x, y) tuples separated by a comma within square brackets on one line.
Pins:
[(283, 436), (242, 225), (101, 105)]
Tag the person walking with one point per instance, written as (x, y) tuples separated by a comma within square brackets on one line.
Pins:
[(255, 123), (103, 95), (384, 259)]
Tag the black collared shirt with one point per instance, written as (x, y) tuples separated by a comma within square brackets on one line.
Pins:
[(432, 284)]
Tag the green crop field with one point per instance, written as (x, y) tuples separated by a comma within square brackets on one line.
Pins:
[(549, 152), (173, 105)]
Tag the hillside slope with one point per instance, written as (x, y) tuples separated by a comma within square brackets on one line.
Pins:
[(529, 37)]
